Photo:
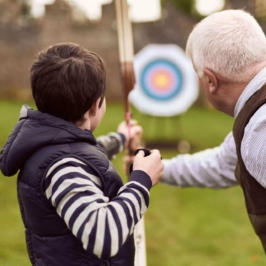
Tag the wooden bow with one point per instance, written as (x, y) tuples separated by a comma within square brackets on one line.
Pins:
[(126, 52), (126, 55)]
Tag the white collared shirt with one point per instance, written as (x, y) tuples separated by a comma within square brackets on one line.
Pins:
[(215, 167)]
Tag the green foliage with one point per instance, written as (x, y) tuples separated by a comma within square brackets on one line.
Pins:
[(184, 227)]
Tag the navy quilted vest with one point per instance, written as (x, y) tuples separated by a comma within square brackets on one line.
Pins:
[(254, 192), (37, 142)]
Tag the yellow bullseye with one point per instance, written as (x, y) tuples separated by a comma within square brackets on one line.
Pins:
[(161, 80)]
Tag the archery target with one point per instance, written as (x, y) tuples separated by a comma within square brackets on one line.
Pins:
[(166, 83), (161, 80)]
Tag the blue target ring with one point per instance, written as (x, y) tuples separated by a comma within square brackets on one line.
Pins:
[(161, 80)]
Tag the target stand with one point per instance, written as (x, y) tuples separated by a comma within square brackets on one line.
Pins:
[(166, 86)]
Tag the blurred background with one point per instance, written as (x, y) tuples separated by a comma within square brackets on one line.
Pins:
[(184, 227)]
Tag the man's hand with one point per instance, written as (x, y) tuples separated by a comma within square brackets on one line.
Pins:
[(151, 164)]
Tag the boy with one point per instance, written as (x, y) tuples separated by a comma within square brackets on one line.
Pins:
[(74, 206)]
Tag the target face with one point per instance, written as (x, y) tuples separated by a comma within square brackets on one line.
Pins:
[(161, 80), (166, 83)]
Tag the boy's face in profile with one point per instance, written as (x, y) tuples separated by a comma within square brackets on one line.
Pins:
[(96, 120)]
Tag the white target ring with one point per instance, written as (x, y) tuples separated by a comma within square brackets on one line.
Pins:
[(166, 83)]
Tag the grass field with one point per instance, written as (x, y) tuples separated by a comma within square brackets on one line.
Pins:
[(184, 227)]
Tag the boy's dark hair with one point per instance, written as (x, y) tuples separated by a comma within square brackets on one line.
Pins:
[(66, 80)]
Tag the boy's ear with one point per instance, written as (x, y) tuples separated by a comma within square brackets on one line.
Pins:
[(211, 79), (95, 107)]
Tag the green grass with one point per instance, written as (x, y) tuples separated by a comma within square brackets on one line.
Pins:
[(184, 227)]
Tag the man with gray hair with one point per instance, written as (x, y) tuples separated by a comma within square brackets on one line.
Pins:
[(228, 51)]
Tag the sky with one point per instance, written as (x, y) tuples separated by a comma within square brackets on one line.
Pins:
[(140, 10)]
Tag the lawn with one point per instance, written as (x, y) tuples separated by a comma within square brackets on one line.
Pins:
[(184, 227)]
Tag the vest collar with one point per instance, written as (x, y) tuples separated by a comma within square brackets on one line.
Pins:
[(254, 85), (35, 130)]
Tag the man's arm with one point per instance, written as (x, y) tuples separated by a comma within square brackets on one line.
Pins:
[(212, 168)]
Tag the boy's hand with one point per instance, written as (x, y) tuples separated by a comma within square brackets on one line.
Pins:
[(132, 133), (151, 164)]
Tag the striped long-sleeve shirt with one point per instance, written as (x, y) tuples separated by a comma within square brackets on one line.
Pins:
[(101, 224)]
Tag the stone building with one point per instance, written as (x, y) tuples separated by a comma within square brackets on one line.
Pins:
[(21, 37)]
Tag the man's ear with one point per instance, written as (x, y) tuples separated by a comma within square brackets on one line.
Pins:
[(95, 107), (211, 79)]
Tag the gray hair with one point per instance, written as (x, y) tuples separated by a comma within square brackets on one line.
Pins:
[(229, 42)]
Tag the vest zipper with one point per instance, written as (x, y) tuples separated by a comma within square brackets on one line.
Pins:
[(106, 263)]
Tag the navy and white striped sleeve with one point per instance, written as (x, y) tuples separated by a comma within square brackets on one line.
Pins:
[(102, 225), (112, 144)]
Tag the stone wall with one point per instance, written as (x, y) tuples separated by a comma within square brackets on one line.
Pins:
[(20, 39)]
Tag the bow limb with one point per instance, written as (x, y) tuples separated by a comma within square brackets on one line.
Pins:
[(126, 52), (126, 56)]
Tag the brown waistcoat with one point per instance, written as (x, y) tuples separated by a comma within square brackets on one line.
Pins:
[(255, 194)]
